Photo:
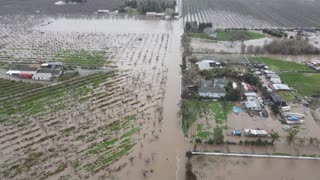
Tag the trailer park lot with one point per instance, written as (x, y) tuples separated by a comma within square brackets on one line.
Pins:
[(241, 117), (295, 102)]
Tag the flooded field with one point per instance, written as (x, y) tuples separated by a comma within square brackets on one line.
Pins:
[(127, 125), (225, 168), (121, 120), (210, 46)]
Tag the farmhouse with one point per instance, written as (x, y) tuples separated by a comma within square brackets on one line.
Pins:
[(219, 82), (253, 103), (207, 89)]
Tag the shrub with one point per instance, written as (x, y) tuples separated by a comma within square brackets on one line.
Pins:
[(198, 141)]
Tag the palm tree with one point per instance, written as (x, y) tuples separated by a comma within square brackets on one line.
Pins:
[(291, 136), (275, 137)]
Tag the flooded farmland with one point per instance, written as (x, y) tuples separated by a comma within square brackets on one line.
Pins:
[(132, 113), (120, 118), (225, 168)]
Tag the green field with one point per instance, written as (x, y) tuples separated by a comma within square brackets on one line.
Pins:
[(199, 35), (280, 65), (229, 36), (305, 83), (10, 87), (83, 58), (238, 35)]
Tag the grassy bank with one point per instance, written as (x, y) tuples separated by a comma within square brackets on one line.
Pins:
[(229, 36), (305, 83), (280, 65), (238, 35), (199, 35)]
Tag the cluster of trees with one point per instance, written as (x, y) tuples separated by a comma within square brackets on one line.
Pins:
[(232, 94), (187, 51), (220, 72), (252, 79), (291, 46), (275, 32), (285, 47), (253, 49), (155, 6), (147, 6), (195, 27), (131, 3)]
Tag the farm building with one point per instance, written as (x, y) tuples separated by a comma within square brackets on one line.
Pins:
[(255, 132), (103, 11), (151, 13), (207, 89), (272, 76), (267, 72), (279, 87), (23, 72), (253, 103), (46, 74), (52, 65), (274, 98), (275, 80), (207, 64)]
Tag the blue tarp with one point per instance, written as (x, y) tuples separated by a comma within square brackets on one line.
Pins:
[(293, 118), (237, 132), (237, 110)]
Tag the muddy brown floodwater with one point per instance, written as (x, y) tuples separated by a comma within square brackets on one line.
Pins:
[(145, 92), (147, 88), (168, 153), (225, 168)]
